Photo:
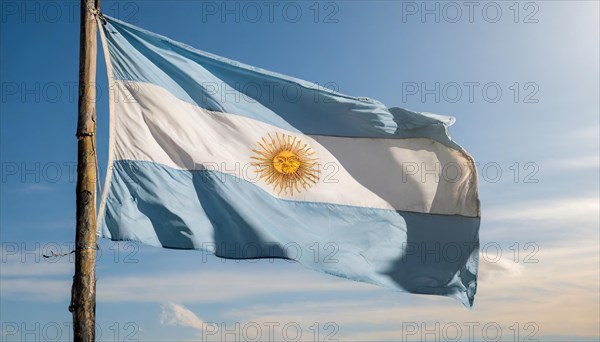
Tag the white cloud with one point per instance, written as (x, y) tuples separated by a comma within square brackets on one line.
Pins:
[(571, 211), (217, 286), (190, 287), (559, 293), (575, 163), (178, 315), (490, 269), (35, 289)]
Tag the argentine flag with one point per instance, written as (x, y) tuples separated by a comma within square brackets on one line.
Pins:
[(212, 154)]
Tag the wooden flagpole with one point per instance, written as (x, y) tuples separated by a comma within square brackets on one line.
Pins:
[(83, 292)]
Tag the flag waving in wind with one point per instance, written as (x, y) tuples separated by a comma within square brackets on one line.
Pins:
[(208, 153)]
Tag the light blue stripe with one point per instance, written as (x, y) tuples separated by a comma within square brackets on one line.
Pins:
[(161, 206), (223, 85)]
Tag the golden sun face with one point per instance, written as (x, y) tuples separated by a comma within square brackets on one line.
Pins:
[(286, 162)]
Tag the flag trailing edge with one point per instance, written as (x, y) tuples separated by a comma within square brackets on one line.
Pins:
[(208, 153)]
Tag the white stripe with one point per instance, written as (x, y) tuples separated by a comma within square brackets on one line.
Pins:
[(403, 174)]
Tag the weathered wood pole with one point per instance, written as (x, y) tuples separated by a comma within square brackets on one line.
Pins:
[(83, 292)]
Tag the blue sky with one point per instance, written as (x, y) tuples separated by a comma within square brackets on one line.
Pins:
[(537, 146)]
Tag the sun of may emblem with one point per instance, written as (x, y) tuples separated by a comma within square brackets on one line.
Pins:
[(286, 162)]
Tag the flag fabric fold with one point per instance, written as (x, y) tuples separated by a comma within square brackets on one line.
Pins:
[(212, 154)]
